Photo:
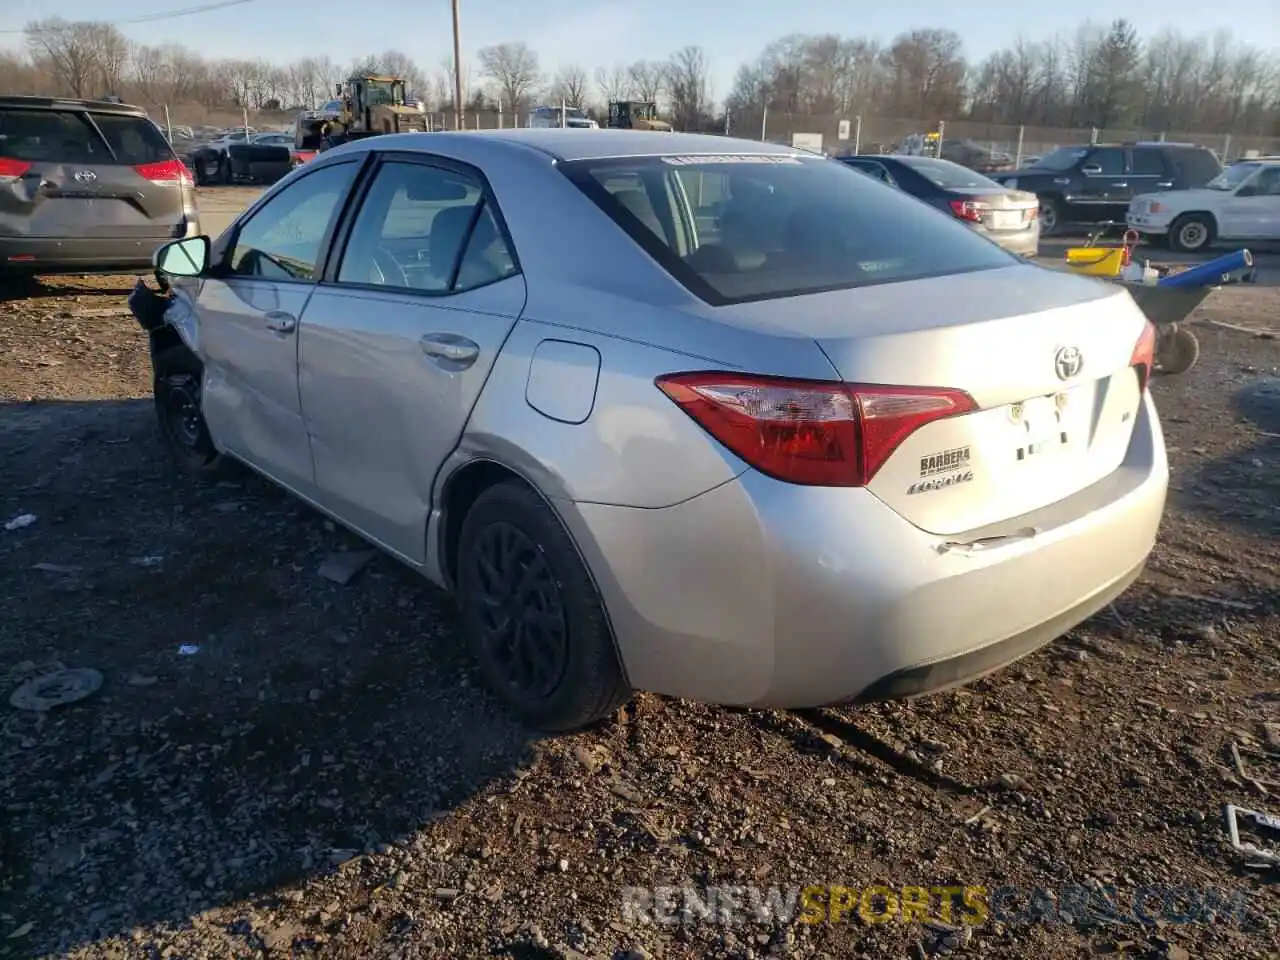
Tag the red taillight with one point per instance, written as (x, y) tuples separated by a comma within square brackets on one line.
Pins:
[(12, 169), (969, 210), (1144, 355), (165, 171), (810, 432), (1033, 213)]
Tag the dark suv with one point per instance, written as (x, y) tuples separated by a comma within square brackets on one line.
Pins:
[(87, 186), (1095, 183)]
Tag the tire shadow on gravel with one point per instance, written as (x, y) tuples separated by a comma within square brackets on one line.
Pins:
[(259, 727)]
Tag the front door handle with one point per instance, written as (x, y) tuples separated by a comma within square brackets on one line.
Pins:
[(450, 347), (280, 321), (1166, 184), (1119, 184)]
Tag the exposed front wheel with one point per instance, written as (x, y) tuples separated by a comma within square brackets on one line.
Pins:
[(1191, 233), (534, 620), (183, 430)]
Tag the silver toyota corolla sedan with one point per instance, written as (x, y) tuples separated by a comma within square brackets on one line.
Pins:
[(706, 417)]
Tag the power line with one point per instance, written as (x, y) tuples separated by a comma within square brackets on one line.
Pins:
[(169, 14)]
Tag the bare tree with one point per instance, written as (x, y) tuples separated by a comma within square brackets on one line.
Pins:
[(689, 88), (71, 49), (513, 68), (613, 83), (570, 85), (647, 79)]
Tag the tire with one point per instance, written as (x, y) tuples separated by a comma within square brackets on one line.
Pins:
[(1192, 233), (1053, 216), (1177, 351), (224, 170), (511, 539), (183, 431)]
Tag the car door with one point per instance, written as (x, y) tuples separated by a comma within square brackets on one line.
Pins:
[(1104, 186), (398, 340), (1149, 172), (1253, 211), (249, 310)]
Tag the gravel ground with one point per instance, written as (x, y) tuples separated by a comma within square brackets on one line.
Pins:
[(279, 765)]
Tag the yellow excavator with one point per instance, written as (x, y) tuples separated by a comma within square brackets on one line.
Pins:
[(365, 106), (636, 115)]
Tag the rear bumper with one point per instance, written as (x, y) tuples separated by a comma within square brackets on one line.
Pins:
[(759, 593), (49, 255), (1025, 243)]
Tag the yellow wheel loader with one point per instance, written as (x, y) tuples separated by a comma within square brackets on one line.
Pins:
[(636, 115), (367, 106)]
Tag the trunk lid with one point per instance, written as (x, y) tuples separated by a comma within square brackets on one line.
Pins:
[(1007, 337), (1008, 210)]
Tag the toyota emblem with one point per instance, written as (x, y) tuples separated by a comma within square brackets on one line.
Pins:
[(85, 176), (1068, 362)]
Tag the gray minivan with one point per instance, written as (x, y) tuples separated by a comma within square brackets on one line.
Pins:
[(87, 186)]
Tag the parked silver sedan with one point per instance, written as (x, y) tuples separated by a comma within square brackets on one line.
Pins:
[(707, 417)]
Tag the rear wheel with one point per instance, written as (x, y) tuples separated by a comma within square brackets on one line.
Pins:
[(1053, 215), (534, 620), (176, 388), (1191, 233)]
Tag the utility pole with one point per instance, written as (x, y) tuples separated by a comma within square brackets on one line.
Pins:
[(457, 71)]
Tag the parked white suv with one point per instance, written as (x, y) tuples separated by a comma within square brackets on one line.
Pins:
[(1241, 203)]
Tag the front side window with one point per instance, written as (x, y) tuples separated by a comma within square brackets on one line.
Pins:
[(1108, 160), (1064, 158), (766, 226), (283, 239), (428, 229)]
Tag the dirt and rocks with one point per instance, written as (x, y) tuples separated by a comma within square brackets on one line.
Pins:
[(279, 765)]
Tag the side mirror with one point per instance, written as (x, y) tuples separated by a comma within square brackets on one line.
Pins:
[(1091, 170), (183, 258)]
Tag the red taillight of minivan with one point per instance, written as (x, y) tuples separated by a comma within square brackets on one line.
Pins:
[(1144, 355), (12, 169), (166, 171), (810, 432)]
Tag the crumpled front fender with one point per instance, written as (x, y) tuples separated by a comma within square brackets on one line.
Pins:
[(175, 309)]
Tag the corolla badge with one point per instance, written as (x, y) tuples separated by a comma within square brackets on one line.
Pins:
[(85, 176), (1068, 362)]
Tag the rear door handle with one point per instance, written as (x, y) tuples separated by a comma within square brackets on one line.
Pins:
[(451, 348), (1167, 184), (280, 322), (1120, 184)]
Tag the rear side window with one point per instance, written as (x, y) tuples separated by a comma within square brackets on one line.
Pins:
[(755, 227), (58, 136), (1198, 166), (134, 140), (1148, 163)]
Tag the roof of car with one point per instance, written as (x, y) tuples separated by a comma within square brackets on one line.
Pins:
[(70, 103), (576, 143)]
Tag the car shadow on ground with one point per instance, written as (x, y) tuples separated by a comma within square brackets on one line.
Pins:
[(43, 288), (258, 725), (1242, 488)]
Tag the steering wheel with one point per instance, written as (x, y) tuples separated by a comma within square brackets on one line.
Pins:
[(389, 269)]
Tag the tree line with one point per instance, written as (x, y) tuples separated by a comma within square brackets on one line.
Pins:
[(1106, 76)]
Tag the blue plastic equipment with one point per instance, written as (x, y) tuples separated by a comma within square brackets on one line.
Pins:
[(1211, 273)]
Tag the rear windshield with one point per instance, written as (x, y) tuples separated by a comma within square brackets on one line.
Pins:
[(58, 136), (948, 175), (753, 227)]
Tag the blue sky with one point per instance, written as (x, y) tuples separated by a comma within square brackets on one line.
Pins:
[(595, 33)]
